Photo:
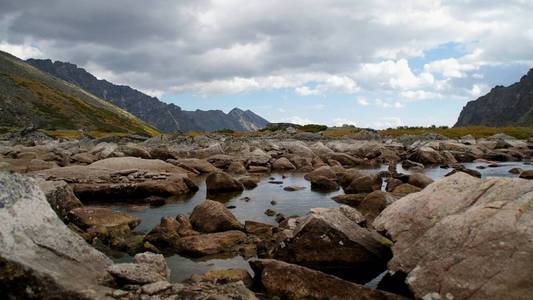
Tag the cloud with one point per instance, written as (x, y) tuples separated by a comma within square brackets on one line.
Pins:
[(299, 120), (388, 122), (342, 121), (306, 91), (23, 51)]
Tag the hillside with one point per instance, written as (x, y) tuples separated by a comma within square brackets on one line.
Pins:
[(165, 117), (30, 97), (502, 106)]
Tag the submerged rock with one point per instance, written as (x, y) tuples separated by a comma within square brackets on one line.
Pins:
[(464, 237), (40, 258)]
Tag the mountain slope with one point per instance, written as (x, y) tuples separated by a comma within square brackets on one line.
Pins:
[(166, 117), (30, 97), (502, 106)]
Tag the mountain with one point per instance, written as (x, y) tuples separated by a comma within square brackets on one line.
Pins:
[(502, 106), (32, 98), (166, 117)]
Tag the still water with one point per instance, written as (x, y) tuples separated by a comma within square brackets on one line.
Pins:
[(251, 205)]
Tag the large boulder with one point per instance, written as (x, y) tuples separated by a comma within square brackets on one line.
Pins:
[(227, 242), (221, 182), (330, 240), (146, 268), (363, 184), (324, 171), (212, 216), (198, 165), (419, 180), (282, 164), (288, 281), (40, 258), (464, 237), (139, 164), (60, 196)]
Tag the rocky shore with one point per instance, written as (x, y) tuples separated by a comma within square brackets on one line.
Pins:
[(455, 238)]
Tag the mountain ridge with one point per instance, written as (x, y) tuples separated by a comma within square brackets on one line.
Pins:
[(166, 117), (502, 106)]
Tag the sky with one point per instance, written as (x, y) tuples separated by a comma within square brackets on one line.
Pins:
[(371, 63)]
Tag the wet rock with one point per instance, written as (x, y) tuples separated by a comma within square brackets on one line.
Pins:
[(258, 169), (363, 184), (249, 182), (288, 281), (408, 164), (40, 258), (405, 189), (236, 167), (282, 164), (330, 240), (470, 172), (199, 165), (321, 183), (419, 180), (85, 217), (527, 174), (516, 170), (224, 276), (259, 229), (232, 241), (324, 171), (293, 188), (211, 216), (221, 182), (392, 183), (464, 238), (269, 212), (165, 235), (208, 290), (352, 200)]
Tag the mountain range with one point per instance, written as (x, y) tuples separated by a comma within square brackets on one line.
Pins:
[(32, 98), (165, 117), (502, 106)]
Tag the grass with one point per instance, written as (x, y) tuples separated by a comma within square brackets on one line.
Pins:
[(75, 134), (454, 133)]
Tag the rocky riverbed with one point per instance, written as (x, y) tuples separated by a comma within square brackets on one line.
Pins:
[(292, 215)]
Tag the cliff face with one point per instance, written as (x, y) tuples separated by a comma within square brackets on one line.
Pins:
[(32, 98), (165, 117), (502, 106)]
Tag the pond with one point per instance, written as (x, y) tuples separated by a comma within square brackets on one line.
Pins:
[(251, 205)]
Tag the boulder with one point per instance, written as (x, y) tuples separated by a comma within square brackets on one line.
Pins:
[(134, 150), (85, 217), (139, 164), (293, 188), (221, 182), (224, 276), (324, 184), (464, 237), (287, 281), (527, 174), (405, 189), (375, 202), (352, 200), (363, 184), (60, 197), (40, 258), (209, 290), (419, 180), (236, 167), (324, 171), (232, 241), (408, 164), (282, 164), (330, 240), (427, 155), (249, 182), (165, 236), (199, 165), (212, 216)]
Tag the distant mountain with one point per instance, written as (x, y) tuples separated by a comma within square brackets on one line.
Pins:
[(502, 106), (32, 98), (166, 117)]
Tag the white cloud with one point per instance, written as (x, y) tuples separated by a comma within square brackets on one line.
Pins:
[(388, 122), (363, 101), (450, 67), (342, 121), (23, 51), (299, 120), (306, 91)]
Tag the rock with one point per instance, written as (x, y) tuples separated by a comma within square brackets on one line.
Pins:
[(372, 205), (363, 184), (224, 276), (293, 188), (38, 164), (221, 161), (232, 241), (516, 170), (258, 169), (199, 165), (258, 228), (392, 183), (84, 158), (288, 281), (208, 290), (134, 273), (408, 164), (352, 200), (156, 287), (324, 171), (134, 150), (156, 261), (427, 155), (405, 189), (60, 196), (249, 182), (85, 217), (321, 183), (330, 240), (419, 180), (162, 153), (139, 164), (212, 216), (220, 182), (282, 164), (40, 258), (104, 150), (527, 174), (464, 238), (470, 172), (269, 212), (236, 167), (165, 236)]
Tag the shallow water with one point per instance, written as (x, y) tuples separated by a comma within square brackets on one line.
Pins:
[(288, 203)]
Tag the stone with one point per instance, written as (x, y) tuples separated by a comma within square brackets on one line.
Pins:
[(516, 170), (128, 163), (60, 196), (134, 150), (408, 164), (392, 183), (330, 240), (375, 202), (221, 182), (405, 189), (321, 183), (289, 281), (269, 212), (352, 200), (213, 243), (165, 236), (211, 291), (527, 174), (258, 228), (199, 165), (224, 276), (40, 258), (293, 188), (427, 155), (324, 171), (363, 184), (134, 273), (84, 158), (464, 237), (156, 287), (85, 217), (419, 180), (282, 164), (156, 261), (236, 167), (258, 169), (470, 172), (249, 182), (212, 216)]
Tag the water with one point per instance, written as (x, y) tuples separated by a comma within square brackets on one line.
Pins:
[(288, 203)]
